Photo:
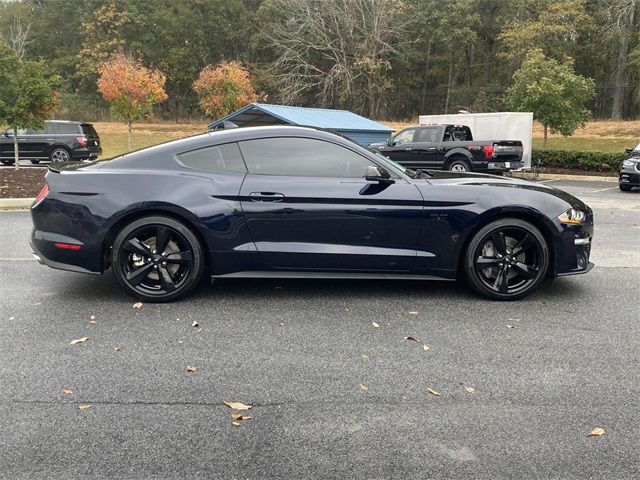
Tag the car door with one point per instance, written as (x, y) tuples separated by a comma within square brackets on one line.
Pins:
[(424, 149), (308, 206)]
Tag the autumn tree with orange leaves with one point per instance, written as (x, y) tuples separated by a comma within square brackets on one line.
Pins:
[(223, 88), (131, 88)]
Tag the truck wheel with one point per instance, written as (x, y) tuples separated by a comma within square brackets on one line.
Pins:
[(459, 166)]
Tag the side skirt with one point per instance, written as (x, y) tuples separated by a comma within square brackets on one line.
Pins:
[(332, 275)]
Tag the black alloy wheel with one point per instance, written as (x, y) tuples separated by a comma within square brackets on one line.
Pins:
[(59, 155), (157, 259), (507, 259)]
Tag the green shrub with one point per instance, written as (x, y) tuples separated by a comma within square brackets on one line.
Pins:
[(577, 160)]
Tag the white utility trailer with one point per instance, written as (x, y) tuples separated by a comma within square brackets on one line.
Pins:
[(492, 126)]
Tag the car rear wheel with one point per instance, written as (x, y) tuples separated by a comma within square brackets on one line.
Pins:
[(7, 162), (459, 166), (157, 259), (59, 155), (506, 259)]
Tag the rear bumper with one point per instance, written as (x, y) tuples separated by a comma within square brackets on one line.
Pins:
[(46, 253), (504, 166), (83, 153)]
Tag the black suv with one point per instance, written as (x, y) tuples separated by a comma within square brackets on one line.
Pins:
[(61, 140), (630, 170)]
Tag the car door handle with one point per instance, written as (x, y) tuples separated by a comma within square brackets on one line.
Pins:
[(266, 197)]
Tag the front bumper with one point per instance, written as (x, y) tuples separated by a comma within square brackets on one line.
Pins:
[(572, 255), (629, 176)]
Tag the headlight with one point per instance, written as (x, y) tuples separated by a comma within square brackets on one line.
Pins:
[(628, 163), (573, 216)]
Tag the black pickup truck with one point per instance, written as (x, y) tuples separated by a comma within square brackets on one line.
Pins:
[(450, 147)]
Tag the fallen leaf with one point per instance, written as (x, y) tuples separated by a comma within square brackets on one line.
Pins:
[(411, 339), (470, 389), (85, 406), (117, 349), (199, 330), (182, 339), (281, 324), (78, 340), (195, 324), (237, 405), (67, 391), (365, 356), (192, 369), (375, 325), (240, 417), (414, 312), (433, 392), (92, 321), (235, 424), (93, 317), (137, 305), (509, 326), (596, 432), (425, 348), (364, 388), (12, 318)]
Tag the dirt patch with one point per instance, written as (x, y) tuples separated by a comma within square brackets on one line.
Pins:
[(23, 183)]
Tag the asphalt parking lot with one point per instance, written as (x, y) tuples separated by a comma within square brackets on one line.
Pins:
[(521, 384)]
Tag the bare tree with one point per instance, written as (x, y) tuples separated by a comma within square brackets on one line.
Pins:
[(18, 37), (623, 18), (339, 50)]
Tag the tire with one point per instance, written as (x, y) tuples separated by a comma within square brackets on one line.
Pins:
[(625, 188), (35, 162), (7, 162), (152, 275), (459, 165), (506, 259), (59, 155)]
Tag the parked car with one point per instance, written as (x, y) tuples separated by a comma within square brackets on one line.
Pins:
[(630, 170), (294, 202), (450, 147), (59, 141)]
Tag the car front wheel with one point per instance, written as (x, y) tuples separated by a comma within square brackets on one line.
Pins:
[(157, 259), (506, 259)]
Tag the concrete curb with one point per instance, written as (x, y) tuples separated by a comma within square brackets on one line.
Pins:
[(15, 203), (558, 176)]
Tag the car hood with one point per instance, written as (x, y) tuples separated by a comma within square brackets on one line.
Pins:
[(494, 181)]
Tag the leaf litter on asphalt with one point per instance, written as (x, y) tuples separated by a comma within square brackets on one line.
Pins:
[(433, 392), (192, 369), (596, 432), (237, 405), (78, 340), (375, 325), (67, 391), (137, 305)]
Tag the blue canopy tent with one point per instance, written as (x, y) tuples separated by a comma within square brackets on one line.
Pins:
[(357, 128)]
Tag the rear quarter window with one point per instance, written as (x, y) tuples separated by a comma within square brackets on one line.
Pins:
[(220, 158), (64, 128), (88, 129)]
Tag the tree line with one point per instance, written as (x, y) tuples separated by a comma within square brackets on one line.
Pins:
[(381, 58)]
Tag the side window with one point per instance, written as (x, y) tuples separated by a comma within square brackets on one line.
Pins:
[(64, 128), (218, 158), (302, 157), (404, 136), (427, 135)]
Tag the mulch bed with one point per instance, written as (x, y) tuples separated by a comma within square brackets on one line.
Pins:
[(24, 183), (27, 182)]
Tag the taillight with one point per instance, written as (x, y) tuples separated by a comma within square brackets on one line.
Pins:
[(43, 193), (82, 141), (488, 151)]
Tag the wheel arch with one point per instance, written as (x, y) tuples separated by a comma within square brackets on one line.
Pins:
[(176, 213), (537, 219)]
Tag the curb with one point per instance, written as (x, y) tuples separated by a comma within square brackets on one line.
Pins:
[(559, 176), (15, 203)]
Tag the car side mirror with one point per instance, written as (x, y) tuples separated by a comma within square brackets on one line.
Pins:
[(390, 142), (378, 174)]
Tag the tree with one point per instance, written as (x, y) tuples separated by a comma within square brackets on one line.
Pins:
[(338, 50), (28, 94), (553, 92), (223, 88), (131, 88)]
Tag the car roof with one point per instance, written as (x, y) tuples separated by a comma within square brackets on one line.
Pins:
[(72, 122)]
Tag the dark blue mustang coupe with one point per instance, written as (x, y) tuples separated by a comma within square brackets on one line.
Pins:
[(298, 202)]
